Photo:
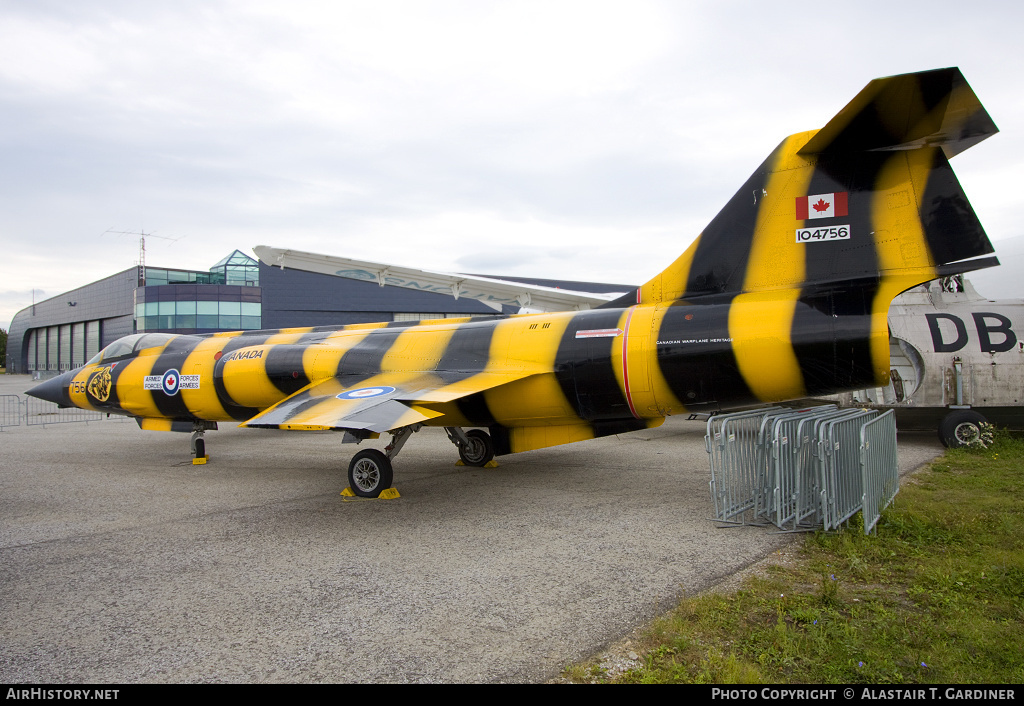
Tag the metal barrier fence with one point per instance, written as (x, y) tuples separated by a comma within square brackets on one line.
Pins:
[(839, 463), (43, 412), (880, 466), (732, 445), (10, 411), (801, 469), (15, 411), (790, 472)]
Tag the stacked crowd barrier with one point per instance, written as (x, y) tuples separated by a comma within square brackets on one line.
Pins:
[(802, 469), (881, 466), (732, 443)]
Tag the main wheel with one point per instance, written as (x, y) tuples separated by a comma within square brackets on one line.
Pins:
[(480, 449), (960, 428), (370, 473)]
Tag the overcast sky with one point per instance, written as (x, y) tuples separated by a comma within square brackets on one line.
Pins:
[(583, 140)]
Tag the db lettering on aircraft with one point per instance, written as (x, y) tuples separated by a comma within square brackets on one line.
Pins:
[(994, 332)]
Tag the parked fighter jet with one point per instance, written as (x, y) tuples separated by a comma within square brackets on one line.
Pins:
[(784, 295)]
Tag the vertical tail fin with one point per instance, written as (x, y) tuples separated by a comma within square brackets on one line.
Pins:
[(868, 198)]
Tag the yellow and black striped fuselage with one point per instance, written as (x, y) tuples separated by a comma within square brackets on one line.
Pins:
[(572, 375)]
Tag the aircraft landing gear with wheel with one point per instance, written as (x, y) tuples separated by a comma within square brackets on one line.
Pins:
[(370, 473), (475, 446), (961, 427), (197, 443)]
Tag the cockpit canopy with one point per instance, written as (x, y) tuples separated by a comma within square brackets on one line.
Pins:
[(129, 345)]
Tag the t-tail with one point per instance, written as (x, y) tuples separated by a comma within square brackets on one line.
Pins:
[(811, 250)]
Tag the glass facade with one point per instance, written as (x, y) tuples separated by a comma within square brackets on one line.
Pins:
[(238, 268), (156, 277), (195, 315), (227, 298)]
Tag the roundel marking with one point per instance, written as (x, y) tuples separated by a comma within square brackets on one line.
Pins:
[(365, 392), (170, 382)]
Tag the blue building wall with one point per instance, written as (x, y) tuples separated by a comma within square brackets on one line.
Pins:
[(106, 303), (66, 330), (298, 298)]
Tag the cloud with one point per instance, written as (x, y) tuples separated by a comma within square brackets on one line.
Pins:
[(441, 131)]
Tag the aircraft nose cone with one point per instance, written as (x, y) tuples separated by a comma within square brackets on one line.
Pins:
[(53, 390)]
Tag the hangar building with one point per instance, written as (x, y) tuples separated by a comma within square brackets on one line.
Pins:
[(238, 293)]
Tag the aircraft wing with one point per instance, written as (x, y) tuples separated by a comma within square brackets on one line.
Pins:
[(376, 404), (490, 291)]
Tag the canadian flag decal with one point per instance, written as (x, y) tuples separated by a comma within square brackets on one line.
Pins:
[(821, 206)]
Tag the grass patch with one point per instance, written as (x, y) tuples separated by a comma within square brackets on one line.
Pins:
[(937, 596)]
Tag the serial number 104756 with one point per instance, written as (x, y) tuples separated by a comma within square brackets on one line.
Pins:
[(820, 235)]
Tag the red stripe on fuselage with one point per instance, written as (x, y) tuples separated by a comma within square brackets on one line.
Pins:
[(625, 363)]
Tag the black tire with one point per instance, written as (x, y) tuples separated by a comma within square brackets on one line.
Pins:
[(370, 473), (480, 449), (960, 427), (200, 448)]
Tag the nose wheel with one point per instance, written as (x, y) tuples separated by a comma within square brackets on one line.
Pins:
[(199, 447)]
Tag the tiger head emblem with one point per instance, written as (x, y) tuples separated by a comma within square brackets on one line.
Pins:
[(100, 384)]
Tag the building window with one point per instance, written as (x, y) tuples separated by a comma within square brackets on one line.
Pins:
[(409, 316), (198, 315), (238, 268)]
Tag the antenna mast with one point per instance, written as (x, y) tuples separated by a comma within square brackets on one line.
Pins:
[(142, 248)]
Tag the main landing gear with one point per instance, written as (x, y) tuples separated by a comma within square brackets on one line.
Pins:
[(961, 428), (475, 446), (370, 473)]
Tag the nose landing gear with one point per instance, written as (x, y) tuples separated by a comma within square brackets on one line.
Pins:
[(197, 444)]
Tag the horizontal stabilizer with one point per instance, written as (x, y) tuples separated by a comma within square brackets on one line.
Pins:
[(964, 266), (927, 109)]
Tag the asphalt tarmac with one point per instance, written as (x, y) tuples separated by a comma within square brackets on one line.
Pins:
[(121, 562)]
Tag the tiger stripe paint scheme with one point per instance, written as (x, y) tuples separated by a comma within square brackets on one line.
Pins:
[(749, 313)]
